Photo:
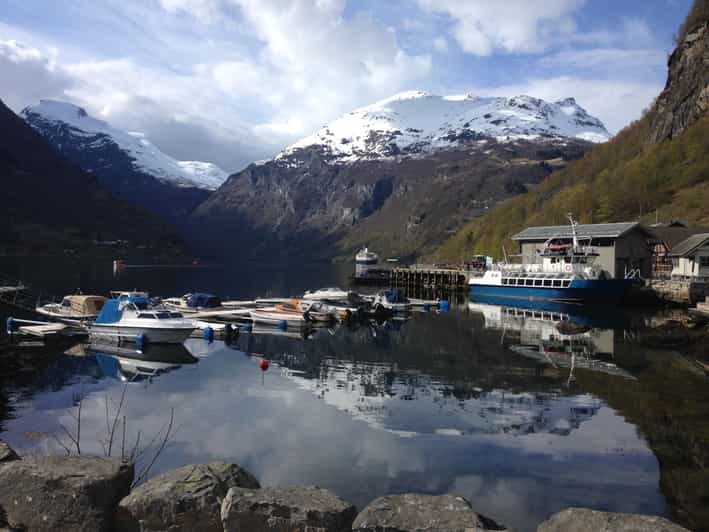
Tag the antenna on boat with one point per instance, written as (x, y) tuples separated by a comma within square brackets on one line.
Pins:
[(504, 253)]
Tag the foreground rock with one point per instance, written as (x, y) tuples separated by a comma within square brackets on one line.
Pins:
[(294, 509), (7, 454), (62, 492), (583, 520), (420, 513), (188, 498)]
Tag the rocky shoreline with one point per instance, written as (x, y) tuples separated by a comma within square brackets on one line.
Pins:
[(94, 494)]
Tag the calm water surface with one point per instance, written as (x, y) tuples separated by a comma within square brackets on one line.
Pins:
[(486, 401)]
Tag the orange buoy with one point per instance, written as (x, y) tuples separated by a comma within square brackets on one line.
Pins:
[(263, 364)]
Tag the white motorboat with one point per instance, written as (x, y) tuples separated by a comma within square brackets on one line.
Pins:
[(75, 308), (327, 294), (391, 300), (135, 319)]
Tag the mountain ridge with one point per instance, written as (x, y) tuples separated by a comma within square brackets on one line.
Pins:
[(401, 191)]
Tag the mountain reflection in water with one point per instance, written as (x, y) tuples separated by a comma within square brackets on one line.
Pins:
[(438, 403)]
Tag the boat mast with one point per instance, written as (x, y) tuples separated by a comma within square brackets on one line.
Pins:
[(573, 232)]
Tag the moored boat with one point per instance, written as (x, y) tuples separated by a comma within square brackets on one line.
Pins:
[(136, 319), (327, 294), (192, 303), (391, 300), (74, 307), (563, 272)]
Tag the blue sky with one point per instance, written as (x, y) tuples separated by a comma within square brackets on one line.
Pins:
[(230, 81)]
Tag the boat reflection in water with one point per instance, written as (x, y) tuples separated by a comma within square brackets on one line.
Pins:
[(557, 334), (126, 364)]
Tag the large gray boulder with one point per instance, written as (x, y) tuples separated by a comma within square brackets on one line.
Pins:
[(63, 492), (187, 498), (7, 454), (293, 509), (583, 520), (411, 512)]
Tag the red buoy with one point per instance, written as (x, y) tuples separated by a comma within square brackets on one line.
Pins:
[(263, 364)]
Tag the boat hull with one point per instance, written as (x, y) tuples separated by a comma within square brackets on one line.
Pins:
[(151, 335), (592, 291)]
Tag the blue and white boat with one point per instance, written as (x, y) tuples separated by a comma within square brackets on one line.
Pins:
[(562, 272), (136, 319)]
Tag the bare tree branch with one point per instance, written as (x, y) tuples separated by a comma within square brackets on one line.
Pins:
[(159, 451)]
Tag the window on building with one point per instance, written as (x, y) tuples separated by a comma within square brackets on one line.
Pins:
[(704, 262)]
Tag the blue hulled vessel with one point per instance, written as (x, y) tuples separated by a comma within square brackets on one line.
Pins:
[(561, 272)]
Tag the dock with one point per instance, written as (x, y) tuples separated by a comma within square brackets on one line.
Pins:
[(435, 277)]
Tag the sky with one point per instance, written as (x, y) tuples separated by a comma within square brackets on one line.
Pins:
[(232, 81)]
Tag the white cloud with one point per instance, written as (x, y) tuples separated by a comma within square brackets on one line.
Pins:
[(440, 44), (515, 26)]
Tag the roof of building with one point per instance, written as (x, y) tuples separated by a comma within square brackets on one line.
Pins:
[(688, 245), (546, 232), (671, 235)]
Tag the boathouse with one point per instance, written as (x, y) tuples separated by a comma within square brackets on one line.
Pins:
[(622, 247), (690, 258), (663, 238)]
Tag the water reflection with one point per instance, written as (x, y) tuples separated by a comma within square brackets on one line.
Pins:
[(437, 403)]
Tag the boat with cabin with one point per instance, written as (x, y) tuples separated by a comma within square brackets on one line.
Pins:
[(327, 294), (561, 272), (75, 307), (193, 303), (392, 301), (138, 319)]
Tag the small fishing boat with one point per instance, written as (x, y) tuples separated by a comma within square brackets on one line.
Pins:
[(289, 312), (391, 300), (191, 303), (136, 319), (74, 307)]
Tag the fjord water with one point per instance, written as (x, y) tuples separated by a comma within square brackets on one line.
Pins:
[(481, 401)]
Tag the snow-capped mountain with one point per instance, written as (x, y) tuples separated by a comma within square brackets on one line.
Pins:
[(92, 134), (416, 123)]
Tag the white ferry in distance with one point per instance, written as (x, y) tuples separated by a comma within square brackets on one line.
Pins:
[(366, 257), (563, 272)]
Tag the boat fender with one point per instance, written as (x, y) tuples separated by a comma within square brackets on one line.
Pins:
[(209, 334), (444, 305), (426, 307), (263, 364), (140, 341), (10, 326), (247, 328), (282, 325)]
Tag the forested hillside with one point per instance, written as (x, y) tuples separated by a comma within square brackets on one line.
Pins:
[(657, 166)]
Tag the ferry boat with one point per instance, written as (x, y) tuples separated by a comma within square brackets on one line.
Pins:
[(129, 318), (563, 272), (366, 257)]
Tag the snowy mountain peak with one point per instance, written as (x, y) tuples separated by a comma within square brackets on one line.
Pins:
[(417, 122), (145, 157)]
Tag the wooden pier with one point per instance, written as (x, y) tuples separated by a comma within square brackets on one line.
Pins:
[(450, 279)]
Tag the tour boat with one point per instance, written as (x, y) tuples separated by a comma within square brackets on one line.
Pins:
[(391, 300), (563, 272), (136, 319), (74, 307), (366, 257)]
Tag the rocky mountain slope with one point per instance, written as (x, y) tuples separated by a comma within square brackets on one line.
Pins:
[(657, 165), (399, 175), (50, 203), (125, 163)]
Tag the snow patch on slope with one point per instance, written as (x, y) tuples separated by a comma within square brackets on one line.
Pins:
[(147, 158), (418, 122)]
